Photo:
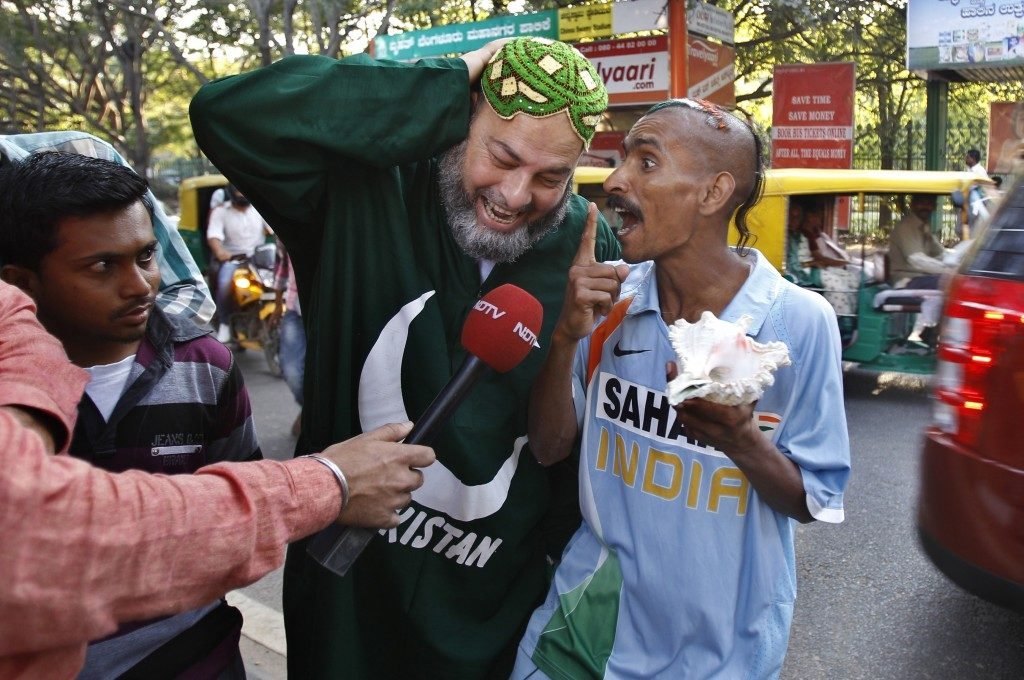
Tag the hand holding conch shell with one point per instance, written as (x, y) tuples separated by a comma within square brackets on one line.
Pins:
[(593, 286), (720, 363)]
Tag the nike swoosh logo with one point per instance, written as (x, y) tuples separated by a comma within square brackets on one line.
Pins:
[(619, 352), (380, 402)]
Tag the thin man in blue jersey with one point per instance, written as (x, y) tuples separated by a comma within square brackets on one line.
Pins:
[(684, 565)]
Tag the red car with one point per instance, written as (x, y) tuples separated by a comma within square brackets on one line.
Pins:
[(971, 506)]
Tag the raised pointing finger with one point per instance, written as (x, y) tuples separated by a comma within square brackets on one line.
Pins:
[(588, 241)]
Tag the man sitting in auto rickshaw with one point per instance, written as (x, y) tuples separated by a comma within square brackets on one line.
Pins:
[(814, 260), (915, 255), (916, 262)]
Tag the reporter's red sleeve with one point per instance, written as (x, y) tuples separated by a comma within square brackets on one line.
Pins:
[(34, 370), (83, 549)]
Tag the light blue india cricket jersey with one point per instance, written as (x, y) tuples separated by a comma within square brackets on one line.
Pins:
[(679, 570)]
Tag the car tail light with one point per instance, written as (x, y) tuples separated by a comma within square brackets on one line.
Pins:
[(981, 315)]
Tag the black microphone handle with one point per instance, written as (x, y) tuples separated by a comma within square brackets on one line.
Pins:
[(447, 400), (337, 547)]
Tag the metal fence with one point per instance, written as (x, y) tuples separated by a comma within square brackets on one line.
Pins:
[(908, 152), (872, 225)]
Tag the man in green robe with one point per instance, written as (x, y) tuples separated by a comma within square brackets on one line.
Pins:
[(404, 193)]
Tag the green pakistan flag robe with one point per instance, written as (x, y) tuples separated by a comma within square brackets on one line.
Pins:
[(338, 156)]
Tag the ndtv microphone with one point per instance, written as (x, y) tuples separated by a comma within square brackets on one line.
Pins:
[(499, 332)]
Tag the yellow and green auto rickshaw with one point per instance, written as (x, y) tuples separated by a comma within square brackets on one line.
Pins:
[(194, 194), (861, 206)]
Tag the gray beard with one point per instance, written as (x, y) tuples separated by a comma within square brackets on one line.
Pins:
[(479, 242)]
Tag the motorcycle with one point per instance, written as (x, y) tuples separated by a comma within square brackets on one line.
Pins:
[(255, 302)]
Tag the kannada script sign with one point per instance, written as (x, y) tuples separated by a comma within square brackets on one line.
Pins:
[(964, 34), (585, 21), (596, 20), (709, 20), (460, 38)]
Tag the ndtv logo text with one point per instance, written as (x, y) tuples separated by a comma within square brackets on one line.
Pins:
[(488, 309), (525, 333)]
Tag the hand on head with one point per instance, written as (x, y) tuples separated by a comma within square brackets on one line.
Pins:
[(381, 473), (593, 286), (477, 60)]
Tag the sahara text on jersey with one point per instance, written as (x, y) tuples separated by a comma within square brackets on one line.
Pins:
[(709, 476)]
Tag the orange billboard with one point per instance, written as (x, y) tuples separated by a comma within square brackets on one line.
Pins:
[(712, 71)]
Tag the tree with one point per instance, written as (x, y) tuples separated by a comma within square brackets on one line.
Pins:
[(86, 64), (125, 69)]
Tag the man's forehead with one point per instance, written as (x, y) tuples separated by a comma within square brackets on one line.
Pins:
[(114, 229), (549, 141), (659, 129)]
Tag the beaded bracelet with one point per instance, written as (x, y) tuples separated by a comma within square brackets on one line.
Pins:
[(338, 474)]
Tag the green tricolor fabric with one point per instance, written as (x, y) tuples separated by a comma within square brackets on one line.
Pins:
[(541, 77), (579, 637)]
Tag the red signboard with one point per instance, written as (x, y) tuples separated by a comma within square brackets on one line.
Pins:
[(634, 70), (812, 116), (711, 71), (605, 150)]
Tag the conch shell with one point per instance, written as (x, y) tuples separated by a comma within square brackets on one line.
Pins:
[(719, 362)]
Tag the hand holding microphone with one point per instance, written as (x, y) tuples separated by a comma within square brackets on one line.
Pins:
[(499, 332), (381, 474)]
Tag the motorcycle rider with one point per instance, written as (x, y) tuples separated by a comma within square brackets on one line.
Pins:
[(234, 231)]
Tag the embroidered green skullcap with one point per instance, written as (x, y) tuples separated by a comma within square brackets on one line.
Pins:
[(541, 77)]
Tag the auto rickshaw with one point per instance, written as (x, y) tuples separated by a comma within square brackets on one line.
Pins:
[(875, 319), (194, 195)]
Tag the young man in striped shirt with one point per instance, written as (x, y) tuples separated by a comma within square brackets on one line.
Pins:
[(163, 396)]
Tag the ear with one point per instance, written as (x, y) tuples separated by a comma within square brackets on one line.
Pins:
[(22, 277), (717, 194)]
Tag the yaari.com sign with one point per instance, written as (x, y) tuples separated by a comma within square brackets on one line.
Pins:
[(635, 70)]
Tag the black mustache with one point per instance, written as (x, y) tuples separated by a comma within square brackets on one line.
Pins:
[(617, 202)]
